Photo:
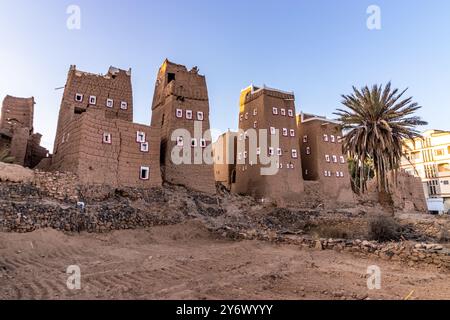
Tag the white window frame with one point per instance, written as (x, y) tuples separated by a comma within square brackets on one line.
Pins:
[(180, 141), (78, 95), (147, 175), (144, 146), (325, 137), (194, 143), (92, 100), (246, 116), (245, 154), (123, 105), (109, 103), (279, 152), (108, 136), (335, 159), (333, 139), (140, 136), (189, 114), (342, 174), (241, 117), (255, 124), (200, 116), (292, 132), (271, 151), (342, 159), (326, 173), (327, 158), (179, 113), (275, 110), (285, 132), (308, 150), (258, 151), (290, 113), (283, 112), (203, 143), (255, 112), (305, 139), (294, 153), (273, 131), (306, 172)]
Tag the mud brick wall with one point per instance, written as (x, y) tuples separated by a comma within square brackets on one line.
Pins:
[(286, 186), (19, 145), (18, 111), (187, 91)]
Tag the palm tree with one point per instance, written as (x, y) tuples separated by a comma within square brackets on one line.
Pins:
[(5, 157), (375, 127)]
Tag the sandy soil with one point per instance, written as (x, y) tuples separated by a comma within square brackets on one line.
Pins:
[(186, 262)]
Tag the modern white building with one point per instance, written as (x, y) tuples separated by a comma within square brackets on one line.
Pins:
[(429, 159)]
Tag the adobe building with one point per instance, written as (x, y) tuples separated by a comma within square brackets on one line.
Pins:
[(270, 113), (17, 132), (322, 157), (96, 137), (181, 102), (224, 151)]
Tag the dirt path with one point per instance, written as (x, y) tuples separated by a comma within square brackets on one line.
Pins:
[(186, 262)]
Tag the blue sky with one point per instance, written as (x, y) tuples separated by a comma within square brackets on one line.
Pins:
[(316, 48)]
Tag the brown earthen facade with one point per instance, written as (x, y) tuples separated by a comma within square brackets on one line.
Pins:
[(17, 132), (322, 156), (267, 117), (180, 103), (96, 138)]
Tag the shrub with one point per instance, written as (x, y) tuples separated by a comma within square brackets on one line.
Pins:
[(383, 228)]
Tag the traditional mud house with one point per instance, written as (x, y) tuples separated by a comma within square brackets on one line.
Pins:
[(17, 132), (181, 109), (225, 150), (267, 131), (96, 137), (322, 156)]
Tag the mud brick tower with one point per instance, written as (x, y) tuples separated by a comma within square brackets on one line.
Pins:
[(17, 132), (274, 111), (96, 137), (181, 101), (322, 157)]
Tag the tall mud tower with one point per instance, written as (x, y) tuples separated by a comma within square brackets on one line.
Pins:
[(181, 102)]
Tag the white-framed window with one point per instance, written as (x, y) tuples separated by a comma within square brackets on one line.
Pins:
[(93, 100), (294, 154), (283, 112), (200, 116), (333, 139), (275, 110), (305, 139), (272, 130), (255, 112), (335, 160), (179, 113), (285, 132), (203, 143), (339, 139), (327, 158), (279, 152), (292, 166), (180, 141), (255, 124), (342, 174), (109, 103), (271, 151), (193, 142), (308, 150), (123, 105), (78, 97), (107, 138), (338, 174), (342, 159), (329, 173), (245, 154), (290, 112), (144, 146), (306, 172), (258, 151), (189, 114), (144, 173), (292, 132), (241, 117), (246, 116), (280, 166), (325, 137), (140, 136), (325, 173)]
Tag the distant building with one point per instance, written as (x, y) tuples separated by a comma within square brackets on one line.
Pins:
[(322, 156), (180, 104), (224, 151), (429, 159), (96, 137), (272, 110), (17, 132)]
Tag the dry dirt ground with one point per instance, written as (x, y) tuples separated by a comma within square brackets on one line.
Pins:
[(187, 262)]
